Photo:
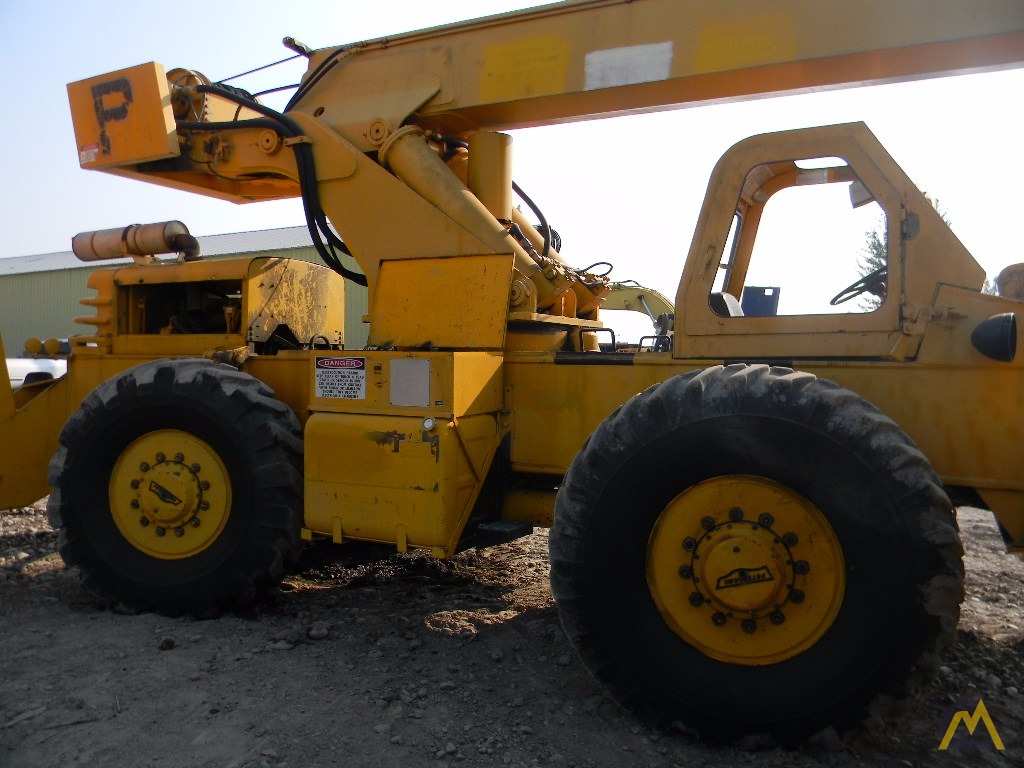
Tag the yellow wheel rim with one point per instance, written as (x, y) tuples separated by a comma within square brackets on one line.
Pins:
[(170, 494), (745, 570)]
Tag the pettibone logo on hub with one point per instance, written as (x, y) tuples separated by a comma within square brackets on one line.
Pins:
[(740, 577)]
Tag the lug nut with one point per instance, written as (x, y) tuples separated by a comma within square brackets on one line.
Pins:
[(777, 617), (195, 522), (685, 572), (766, 520), (144, 467), (718, 619), (735, 514), (143, 521), (749, 626), (802, 567), (135, 485), (195, 469), (204, 486), (204, 505), (796, 596), (790, 540), (707, 523), (689, 544), (696, 599), (179, 531), (160, 458), (161, 531), (135, 503), (179, 457)]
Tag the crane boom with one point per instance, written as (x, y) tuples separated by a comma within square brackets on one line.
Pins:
[(593, 58)]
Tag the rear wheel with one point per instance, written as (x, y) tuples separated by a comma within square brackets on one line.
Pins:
[(177, 487), (751, 549)]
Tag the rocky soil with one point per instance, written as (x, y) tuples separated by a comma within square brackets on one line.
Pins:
[(406, 661)]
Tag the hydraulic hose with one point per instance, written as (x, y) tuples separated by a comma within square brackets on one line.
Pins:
[(545, 228), (316, 220)]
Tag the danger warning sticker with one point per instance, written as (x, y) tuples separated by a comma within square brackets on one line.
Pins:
[(341, 377)]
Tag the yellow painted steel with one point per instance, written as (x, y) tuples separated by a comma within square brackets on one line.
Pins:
[(308, 298), (914, 269), (170, 494), (287, 373), (425, 384), (123, 117), (30, 421), (745, 570), (635, 298), (530, 505), (252, 296), (411, 308), (6, 390), (418, 431), (396, 481), (490, 172)]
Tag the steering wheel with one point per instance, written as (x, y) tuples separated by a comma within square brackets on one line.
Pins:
[(872, 282)]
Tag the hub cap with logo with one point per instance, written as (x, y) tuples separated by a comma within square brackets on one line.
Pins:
[(170, 494), (745, 570)]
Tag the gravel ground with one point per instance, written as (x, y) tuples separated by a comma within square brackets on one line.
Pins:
[(406, 661)]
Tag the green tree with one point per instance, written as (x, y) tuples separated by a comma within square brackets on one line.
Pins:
[(875, 254)]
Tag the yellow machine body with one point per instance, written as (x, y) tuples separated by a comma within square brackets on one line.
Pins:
[(457, 277), (419, 434), (489, 376)]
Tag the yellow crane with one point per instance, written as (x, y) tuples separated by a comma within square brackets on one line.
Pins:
[(751, 512)]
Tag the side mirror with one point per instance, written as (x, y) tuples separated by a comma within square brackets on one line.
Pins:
[(859, 194)]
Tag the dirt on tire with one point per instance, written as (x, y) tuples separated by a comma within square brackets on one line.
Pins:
[(367, 658)]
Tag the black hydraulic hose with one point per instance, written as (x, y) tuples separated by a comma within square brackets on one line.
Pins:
[(226, 125), (600, 264), (316, 220), (232, 94), (545, 227)]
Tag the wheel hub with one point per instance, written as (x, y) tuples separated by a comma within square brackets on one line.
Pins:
[(170, 494), (745, 570), (738, 571)]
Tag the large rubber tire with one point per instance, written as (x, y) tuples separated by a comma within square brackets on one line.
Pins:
[(253, 441), (889, 514)]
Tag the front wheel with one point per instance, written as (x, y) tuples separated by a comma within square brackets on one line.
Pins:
[(177, 487), (752, 549)]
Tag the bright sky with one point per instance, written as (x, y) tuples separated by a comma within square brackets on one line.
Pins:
[(625, 190)]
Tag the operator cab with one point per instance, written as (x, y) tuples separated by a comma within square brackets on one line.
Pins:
[(812, 244), (800, 228)]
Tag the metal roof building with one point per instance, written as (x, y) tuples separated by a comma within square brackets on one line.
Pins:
[(39, 294)]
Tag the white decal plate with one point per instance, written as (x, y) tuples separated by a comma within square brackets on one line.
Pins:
[(628, 66)]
